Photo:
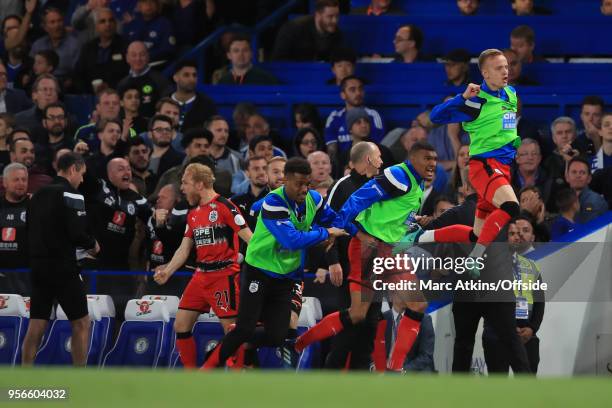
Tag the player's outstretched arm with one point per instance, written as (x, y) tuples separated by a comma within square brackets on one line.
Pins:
[(457, 109), (245, 234)]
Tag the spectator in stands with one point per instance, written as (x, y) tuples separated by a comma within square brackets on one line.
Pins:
[(44, 62), (441, 204), (591, 110), (257, 188), (379, 8), (321, 167), (307, 115), (83, 19), (153, 29), (242, 71), (116, 215), (602, 183), (515, 68), (163, 156), (64, 44), (528, 8), (152, 84), (358, 123), (408, 42), (522, 40), (225, 158), (11, 100), (306, 141), (107, 108), (138, 153), (456, 180), (169, 107), (420, 356), (102, 58), (457, 68), (310, 38), (13, 242), (240, 115), (337, 136), (44, 92), (578, 177), (606, 7), (563, 131), (22, 151), (55, 122), (18, 63), (468, 7), (195, 107), (276, 172), (569, 206), (445, 138), (192, 21), (129, 114), (603, 158), (528, 172), (196, 142), (108, 132), (533, 207), (7, 123), (342, 65), (257, 125)]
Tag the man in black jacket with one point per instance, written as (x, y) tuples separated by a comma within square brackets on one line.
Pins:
[(56, 228), (102, 58), (196, 108), (365, 161), (310, 38)]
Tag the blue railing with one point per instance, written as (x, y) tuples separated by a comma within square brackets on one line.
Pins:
[(198, 52)]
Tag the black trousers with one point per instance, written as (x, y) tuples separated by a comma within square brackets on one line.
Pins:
[(496, 355), (501, 315), (357, 340), (265, 299)]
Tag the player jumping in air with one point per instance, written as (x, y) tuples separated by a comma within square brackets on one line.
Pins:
[(488, 113), (384, 210)]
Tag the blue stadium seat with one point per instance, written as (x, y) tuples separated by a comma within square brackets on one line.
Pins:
[(55, 349), (207, 332), (171, 303), (14, 319), (141, 337), (106, 324)]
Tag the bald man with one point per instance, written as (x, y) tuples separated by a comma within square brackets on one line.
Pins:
[(117, 216), (151, 83)]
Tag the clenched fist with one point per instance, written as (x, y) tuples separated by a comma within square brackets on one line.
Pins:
[(471, 91)]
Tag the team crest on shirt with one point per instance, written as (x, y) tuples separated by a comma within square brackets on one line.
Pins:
[(213, 216), (254, 286), (23, 216), (131, 209)]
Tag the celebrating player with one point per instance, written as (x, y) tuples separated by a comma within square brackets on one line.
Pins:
[(488, 114), (384, 209), (275, 260), (214, 226)]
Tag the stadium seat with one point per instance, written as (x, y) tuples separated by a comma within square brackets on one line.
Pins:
[(141, 337), (107, 322), (171, 303), (207, 332), (56, 347), (14, 319)]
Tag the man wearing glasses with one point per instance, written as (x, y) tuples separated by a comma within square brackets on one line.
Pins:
[(164, 156)]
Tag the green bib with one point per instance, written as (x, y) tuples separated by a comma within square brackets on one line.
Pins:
[(265, 252), (388, 220), (495, 126), (529, 272)]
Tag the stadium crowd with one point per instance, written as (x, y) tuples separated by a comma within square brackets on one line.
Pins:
[(146, 128)]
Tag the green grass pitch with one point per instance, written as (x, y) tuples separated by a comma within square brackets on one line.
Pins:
[(173, 389)]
